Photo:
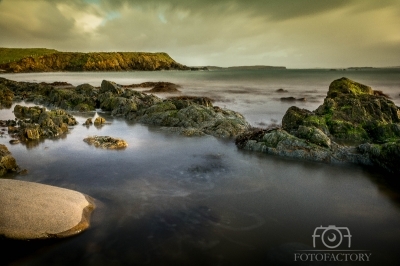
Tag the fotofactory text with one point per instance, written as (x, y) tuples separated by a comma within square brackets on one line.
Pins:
[(332, 243)]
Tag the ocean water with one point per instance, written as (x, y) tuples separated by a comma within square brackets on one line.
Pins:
[(173, 200)]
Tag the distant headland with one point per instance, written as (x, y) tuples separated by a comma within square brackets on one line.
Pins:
[(18, 60), (256, 67)]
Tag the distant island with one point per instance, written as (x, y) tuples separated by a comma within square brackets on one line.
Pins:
[(256, 67), (18, 60)]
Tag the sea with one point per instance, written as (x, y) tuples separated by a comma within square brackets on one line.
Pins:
[(168, 199)]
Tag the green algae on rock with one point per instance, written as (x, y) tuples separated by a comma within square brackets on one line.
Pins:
[(351, 112), (35, 122), (106, 142)]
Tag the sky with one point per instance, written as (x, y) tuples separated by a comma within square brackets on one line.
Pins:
[(291, 33)]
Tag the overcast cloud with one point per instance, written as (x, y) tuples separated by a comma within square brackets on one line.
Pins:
[(292, 33)]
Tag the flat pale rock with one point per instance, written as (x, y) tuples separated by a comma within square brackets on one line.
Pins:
[(34, 211)]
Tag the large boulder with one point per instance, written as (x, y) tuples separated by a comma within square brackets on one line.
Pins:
[(36, 211)]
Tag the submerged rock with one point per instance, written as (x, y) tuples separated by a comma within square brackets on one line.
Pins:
[(351, 112), (106, 142), (37, 211), (7, 161)]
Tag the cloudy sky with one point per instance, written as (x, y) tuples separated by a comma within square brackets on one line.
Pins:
[(291, 33)]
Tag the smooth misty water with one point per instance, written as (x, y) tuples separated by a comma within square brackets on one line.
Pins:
[(169, 199)]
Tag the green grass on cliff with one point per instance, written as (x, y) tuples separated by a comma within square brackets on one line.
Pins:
[(16, 54)]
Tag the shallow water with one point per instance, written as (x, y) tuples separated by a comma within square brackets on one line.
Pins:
[(168, 199)]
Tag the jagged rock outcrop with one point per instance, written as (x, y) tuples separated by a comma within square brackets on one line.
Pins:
[(7, 161), (365, 119), (117, 61), (35, 122)]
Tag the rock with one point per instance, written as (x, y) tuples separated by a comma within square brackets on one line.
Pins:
[(6, 97), (109, 86), (7, 162), (36, 122), (279, 142), (352, 112), (37, 211), (99, 121), (88, 122), (57, 84), (281, 90), (164, 87), (106, 142), (384, 155), (344, 86), (292, 99), (313, 135), (209, 120)]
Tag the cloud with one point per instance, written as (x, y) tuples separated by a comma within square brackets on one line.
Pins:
[(294, 33)]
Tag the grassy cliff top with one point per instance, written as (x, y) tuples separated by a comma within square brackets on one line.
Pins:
[(16, 54)]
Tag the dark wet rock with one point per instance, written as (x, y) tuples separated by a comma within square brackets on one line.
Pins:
[(184, 101), (384, 155), (281, 90), (57, 83), (88, 122), (351, 112), (106, 142), (164, 87), (7, 161), (14, 141), (6, 97), (292, 99), (99, 121), (109, 86)]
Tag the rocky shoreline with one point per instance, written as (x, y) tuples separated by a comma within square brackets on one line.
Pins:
[(352, 113)]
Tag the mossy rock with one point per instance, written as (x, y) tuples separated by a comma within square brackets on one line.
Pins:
[(345, 86), (294, 117), (313, 135)]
